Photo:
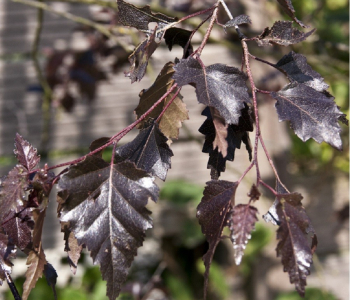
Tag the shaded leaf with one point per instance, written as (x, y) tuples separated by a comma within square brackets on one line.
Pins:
[(241, 225), (51, 277), (96, 197), (296, 69), (25, 153), (312, 114), (289, 9), (178, 36), (213, 214), (36, 263), (175, 114), (139, 58), (97, 144), (218, 86), (239, 20), (282, 33), (294, 246), (139, 17), (72, 248), (18, 226), (149, 151), (41, 184), (7, 252), (235, 135), (12, 194)]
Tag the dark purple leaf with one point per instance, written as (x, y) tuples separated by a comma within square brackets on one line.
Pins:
[(178, 36), (235, 135), (139, 58), (239, 20), (51, 277), (241, 226), (26, 154), (7, 252), (294, 246), (312, 114), (149, 151), (289, 9), (139, 17), (18, 226), (12, 193), (218, 86), (104, 206), (97, 144), (296, 69), (282, 33), (213, 214)]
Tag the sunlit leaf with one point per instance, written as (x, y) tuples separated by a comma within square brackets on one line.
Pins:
[(175, 114), (213, 214), (219, 86), (149, 151), (241, 226), (294, 246), (311, 114), (96, 197)]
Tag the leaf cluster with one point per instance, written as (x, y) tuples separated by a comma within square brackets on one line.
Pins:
[(102, 204)]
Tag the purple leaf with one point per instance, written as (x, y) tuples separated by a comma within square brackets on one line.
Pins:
[(289, 9), (12, 194), (213, 214), (312, 114), (7, 252), (241, 226), (282, 33), (239, 20), (104, 206), (139, 17), (26, 154), (149, 151), (296, 69), (294, 247), (235, 134), (178, 36), (218, 86), (139, 58), (18, 226)]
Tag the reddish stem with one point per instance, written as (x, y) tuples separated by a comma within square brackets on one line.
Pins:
[(256, 112), (269, 187), (197, 13), (118, 136), (168, 104), (207, 34)]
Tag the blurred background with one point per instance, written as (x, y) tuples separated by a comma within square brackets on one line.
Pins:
[(92, 98)]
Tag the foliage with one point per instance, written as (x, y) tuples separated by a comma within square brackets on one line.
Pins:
[(102, 204)]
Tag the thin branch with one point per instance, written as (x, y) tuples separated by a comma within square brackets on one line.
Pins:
[(208, 32), (12, 286), (47, 97), (269, 187), (117, 137), (262, 60), (108, 4), (256, 112), (103, 29)]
